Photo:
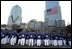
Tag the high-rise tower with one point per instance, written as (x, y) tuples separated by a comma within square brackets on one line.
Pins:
[(15, 15), (15, 19), (52, 13), (53, 17)]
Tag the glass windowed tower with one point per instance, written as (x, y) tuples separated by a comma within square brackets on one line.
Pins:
[(15, 15), (52, 13)]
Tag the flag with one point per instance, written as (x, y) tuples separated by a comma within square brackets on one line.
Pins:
[(52, 11)]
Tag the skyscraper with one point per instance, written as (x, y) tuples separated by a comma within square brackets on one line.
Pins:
[(52, 12), (53, 17), (15, 16)]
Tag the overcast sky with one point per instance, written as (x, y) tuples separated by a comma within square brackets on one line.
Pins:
[(33, 10)]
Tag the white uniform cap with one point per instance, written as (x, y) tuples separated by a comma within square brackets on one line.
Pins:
[(22, 35)]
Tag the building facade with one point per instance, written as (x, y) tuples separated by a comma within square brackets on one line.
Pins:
[(15, 15), (52, 12), (53, 18)]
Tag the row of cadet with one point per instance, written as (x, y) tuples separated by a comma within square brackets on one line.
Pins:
[(34, 38)]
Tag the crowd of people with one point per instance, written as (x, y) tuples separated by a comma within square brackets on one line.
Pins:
[(32, 38)]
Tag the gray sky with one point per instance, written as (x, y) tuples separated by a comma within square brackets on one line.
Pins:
[(33, 10)]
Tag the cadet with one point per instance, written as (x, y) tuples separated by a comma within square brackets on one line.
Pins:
[(19, 38), (31, 39), (69, 41), (51, 39), (47, 40), (27, 38), (55, 40), (23, 38), (13, 39), (60, 43), (4, 36), (38, 39)]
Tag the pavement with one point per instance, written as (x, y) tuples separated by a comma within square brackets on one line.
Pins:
[(20, 46)]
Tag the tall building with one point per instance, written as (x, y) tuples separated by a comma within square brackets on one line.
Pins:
[(52, 13), (15, 15)]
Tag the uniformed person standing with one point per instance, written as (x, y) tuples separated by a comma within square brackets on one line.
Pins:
[(4, 36), (55, 40), (19, 38), (64, 40), (69, 41), (34, 38), (51, 39), (31, 39), (27, 38), (47, 40), (23, 38), (38, 39), (13, 38), (60, 43)]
